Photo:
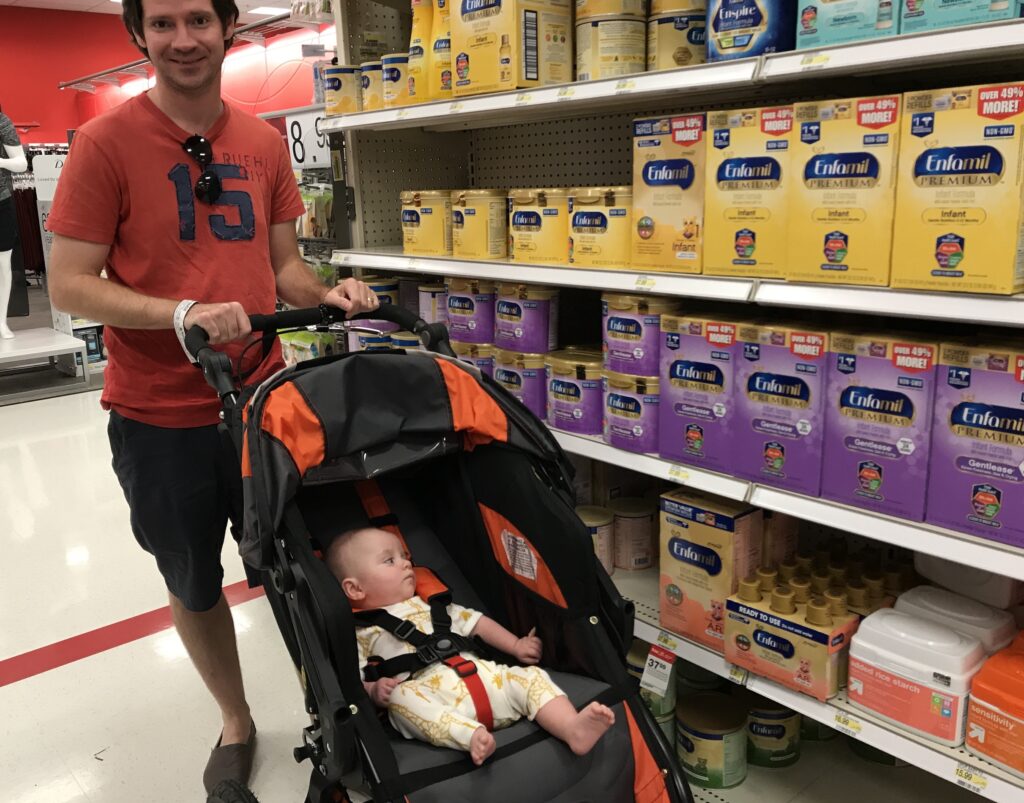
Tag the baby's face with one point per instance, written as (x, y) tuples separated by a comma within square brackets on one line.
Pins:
[(381, 569)]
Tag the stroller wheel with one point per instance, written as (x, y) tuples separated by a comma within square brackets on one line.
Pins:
[(231, 792)]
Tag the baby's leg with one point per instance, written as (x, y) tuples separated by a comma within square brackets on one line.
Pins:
[(419, 711)]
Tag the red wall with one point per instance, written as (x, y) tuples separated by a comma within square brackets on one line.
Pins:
[(39, 48)]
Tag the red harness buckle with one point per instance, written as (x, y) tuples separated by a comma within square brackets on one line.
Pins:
[(462, 667), (466, 670)]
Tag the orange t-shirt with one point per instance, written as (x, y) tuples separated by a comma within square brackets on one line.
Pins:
[(128, 183)]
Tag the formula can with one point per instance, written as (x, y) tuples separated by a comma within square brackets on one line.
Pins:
[(341, 89), (427, 223), (740, 28), (711, 741), (676, 39), (631, 412), (377, 339), (631, 327), (395, 79), (471, 310), (585, 9), (371, 86), (635, 521), (539, 226), (522, 375), (659, 7), (600, 521), (479, 224), (610, 45), (406, 340), (526, 318), (600, 226), (575, 393), (434, 303), (773, 732), (386, 290), (480, 355)]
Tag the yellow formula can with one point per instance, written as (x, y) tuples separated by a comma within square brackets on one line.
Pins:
[(479, 224), (610, 45), (341, 89), (371, 88), (427, 223), (395, 79), (676, 39), (659, 7), (585, 9), (540, 226), (600, 222)]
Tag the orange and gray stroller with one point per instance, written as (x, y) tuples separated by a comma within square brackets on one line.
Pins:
[(482, 494)]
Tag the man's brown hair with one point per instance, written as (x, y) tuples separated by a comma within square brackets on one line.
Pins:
[(131, 13)]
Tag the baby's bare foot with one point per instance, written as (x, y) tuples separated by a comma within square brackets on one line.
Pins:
[(481, 745), (590, 725)]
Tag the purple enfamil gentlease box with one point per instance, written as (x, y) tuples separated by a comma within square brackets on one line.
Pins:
[(976, 471), (780, 390), (878, 423), (697, 410)]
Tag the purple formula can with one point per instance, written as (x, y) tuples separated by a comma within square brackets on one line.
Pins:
[(631, 411), (526, 318), (780, 416), (370, 329), (575, 394), (632, 332), (479, 354), (523, 376), (699, 357), (471, 310), (976, 480), (434, 303), (878, 422)]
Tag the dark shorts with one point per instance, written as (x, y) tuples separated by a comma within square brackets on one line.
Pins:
[(8, 225), (183, 487)]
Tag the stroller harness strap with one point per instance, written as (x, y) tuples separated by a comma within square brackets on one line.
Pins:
[(441, 646)]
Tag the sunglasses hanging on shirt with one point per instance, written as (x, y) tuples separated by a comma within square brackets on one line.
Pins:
[(208, 187)]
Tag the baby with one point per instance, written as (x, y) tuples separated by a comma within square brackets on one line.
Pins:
[(433, 704)]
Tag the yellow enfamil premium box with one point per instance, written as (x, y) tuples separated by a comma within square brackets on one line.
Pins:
[(958, 201), (842, 197), (499, 45)]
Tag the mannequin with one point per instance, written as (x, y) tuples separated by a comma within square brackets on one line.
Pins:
[(12, 160)]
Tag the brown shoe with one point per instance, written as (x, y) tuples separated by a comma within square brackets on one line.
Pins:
[(232, 762)]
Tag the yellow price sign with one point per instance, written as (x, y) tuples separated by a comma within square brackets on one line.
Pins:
[(624, 86), (678, 473), (644, 283), (814, 61), (847, 724), (455, 107), (968, 777), (738, 675), (667, 641), (402, 114), (565, 93), (524, 99)]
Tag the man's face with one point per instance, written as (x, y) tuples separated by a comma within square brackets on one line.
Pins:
[(185, 41)]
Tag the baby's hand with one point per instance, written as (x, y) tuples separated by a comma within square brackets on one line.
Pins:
[(381, 691), (527, 650)]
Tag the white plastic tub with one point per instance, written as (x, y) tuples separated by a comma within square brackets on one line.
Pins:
[(994, 628), (992, 589)]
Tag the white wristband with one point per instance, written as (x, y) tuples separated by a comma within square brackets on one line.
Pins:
[(180, 312)]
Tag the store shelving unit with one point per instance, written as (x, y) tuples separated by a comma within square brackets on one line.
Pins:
[(954, 765)]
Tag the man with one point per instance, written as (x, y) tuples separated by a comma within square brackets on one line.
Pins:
[(183, 200)]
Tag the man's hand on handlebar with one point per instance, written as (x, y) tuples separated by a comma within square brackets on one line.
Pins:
[(352, 296), (224, 323)]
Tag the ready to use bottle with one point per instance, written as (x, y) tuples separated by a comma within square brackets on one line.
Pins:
[(439, 63), (420, 43)]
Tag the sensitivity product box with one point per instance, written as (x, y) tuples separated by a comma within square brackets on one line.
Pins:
[(668, 193), (928, 15), (836, 22), (745, 205), (841, 201), (498, 45), (707, 545), (976, 470), (780, 406), (878, 422), (959, 213)]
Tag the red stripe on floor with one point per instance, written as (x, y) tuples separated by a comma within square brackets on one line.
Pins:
[(104, 638)]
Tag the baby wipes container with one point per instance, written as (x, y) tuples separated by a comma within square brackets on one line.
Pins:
[(574, 391), (522, 375), (995, 629), (600, 521), (711, 741), (631, 412), (427, 222), (995, 718), (600, 226), (471, 310), (479, 224), (914, 673), (539, 226), (992, 589), (526, 318), (631, 327), (479, 354)]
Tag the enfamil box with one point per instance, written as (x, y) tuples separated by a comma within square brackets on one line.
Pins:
[(499, 45), (959, 213), (708, 545), (668, 193), (841, 201), (928, 15), (835, 22), (745, 201)]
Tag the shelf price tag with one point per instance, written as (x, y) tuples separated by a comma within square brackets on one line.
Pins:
[(738, 675), (668, 641), (658, 670), (847, 724), (625, 86), (969, 778), (678, 473), (307, 142), (565, 93), (813, 61), (524, 99), (402, 114), (645, 283)]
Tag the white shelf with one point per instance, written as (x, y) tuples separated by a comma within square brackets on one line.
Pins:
[(29, 344), (718, 82), (991, 782), (623, 281)]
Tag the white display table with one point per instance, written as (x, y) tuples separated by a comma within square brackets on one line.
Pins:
[(30, 344)]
